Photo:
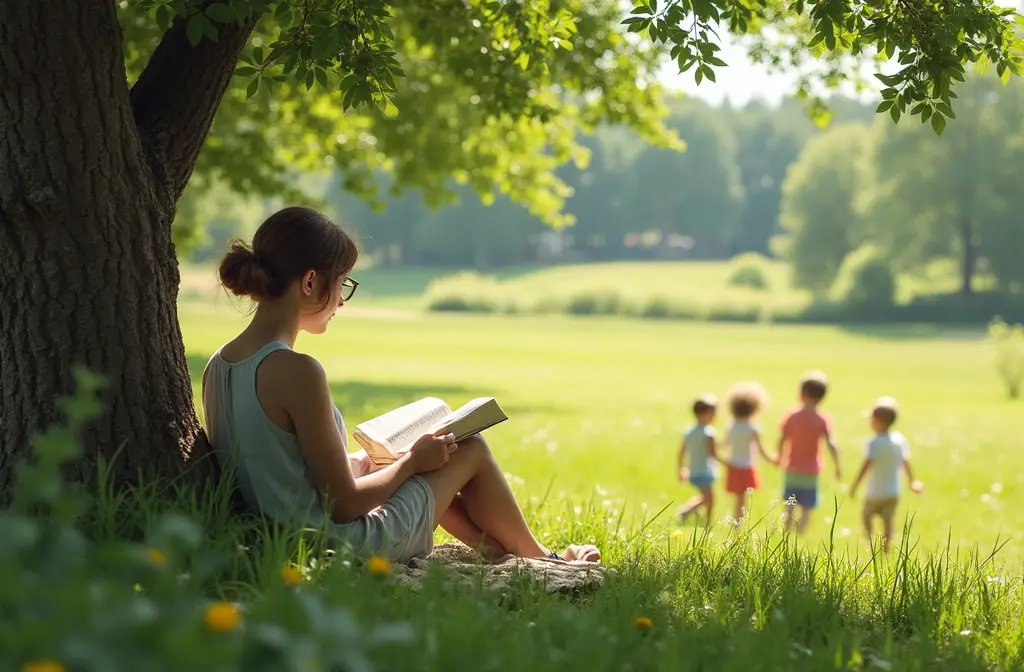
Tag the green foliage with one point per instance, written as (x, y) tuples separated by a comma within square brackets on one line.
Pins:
[(1008, 341), (73, 603), (465, 292), (957, 197), (437, 95), (696, 194), (865, 281), (749, 270), (933, 43), (819, 217)]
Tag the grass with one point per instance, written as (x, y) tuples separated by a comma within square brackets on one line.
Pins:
[(700, 284), (597, 406)]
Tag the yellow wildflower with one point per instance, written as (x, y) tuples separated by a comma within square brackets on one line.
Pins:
[(43, 666), (643, 623), (291, 576), (380, 566), (156, 556), (221, 617)]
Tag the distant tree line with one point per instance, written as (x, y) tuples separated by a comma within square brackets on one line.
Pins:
[(757, 178)]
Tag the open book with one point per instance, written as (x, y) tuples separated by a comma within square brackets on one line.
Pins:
[(387, 435)]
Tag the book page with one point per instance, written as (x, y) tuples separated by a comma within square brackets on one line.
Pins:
[(475, 416), (397, 428), (462, 412)]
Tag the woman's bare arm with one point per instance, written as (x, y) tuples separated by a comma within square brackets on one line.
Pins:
[(308, 404)]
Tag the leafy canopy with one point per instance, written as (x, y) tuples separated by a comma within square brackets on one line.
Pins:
[(494, 93), (490, 93), (932, 41)]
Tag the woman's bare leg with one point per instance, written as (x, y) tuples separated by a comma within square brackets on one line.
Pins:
[(457, 523), (486, 499)]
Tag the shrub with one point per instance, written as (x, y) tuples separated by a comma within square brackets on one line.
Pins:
[(69, 603), (749, 270), (735, 309), (465, 292), (1009, 345), (865, 283), (594, 302)]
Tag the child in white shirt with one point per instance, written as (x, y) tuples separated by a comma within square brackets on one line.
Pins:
[(697, 459), (886, 453), (743, 442)]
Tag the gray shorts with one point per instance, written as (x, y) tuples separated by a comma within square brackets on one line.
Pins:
[(400, 529)]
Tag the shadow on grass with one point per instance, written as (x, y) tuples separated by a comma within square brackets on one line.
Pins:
[(360, 400)]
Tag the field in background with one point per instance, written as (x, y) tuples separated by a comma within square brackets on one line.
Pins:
[(597, 405), (699, 282)]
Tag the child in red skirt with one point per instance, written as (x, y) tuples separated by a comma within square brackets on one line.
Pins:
[(741, 440)]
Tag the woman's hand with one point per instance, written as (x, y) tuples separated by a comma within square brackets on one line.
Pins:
[(431, 452)]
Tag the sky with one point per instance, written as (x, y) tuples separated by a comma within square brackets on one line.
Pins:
[(744, 80)]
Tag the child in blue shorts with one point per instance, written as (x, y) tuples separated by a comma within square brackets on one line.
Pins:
[(697, 456)]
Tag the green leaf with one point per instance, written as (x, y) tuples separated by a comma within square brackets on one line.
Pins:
[(708, 72), (163, 18), (321, 77), (221, 13), (938, 123), (257, 55), (209, 30), (894, 112), (1004, 73), (253, 87), (245, 71), (194, 29), (884, 105)]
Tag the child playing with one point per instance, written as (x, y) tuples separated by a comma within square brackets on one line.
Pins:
[(742, 438), (886, 452), (803, 429), (699, 445)]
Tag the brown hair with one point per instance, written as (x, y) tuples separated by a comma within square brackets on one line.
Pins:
[(705, 403), (290, 242), (885, 410), (746, 399), (814, 385)]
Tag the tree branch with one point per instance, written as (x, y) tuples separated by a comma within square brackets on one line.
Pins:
[(177, 96)]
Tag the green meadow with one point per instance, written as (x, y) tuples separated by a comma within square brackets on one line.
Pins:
[(597, 406)]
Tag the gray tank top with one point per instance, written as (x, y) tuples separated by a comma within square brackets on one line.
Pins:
[(267, 462)]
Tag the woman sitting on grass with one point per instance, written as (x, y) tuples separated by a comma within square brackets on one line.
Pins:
[(272, 422)]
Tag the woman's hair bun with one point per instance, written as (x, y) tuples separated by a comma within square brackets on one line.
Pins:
[(242, 273)]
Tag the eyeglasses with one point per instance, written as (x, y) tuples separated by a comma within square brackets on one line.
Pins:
[(348, 288)]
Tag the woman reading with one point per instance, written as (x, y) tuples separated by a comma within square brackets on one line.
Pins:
[(272, 422)]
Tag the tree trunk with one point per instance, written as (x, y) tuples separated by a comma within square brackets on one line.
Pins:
[(968, 255), (88, 273)]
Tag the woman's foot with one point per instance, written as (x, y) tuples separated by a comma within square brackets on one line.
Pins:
[(584, 552)]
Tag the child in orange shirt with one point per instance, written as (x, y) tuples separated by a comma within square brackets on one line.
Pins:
[(803, 430)]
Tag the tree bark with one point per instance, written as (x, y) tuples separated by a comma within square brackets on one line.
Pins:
[(968, 255), (88, 272)]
